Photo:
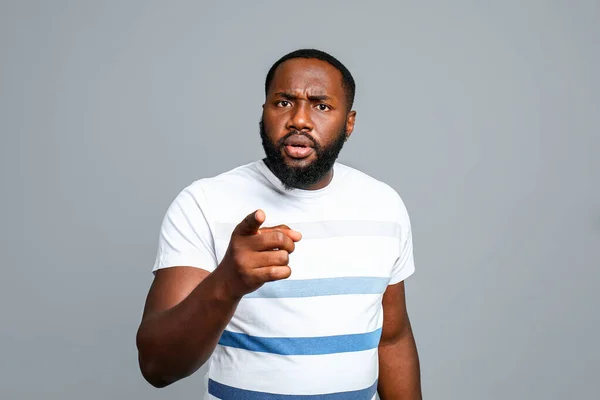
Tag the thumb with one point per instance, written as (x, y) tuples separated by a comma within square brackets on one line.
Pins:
[(251, 223)]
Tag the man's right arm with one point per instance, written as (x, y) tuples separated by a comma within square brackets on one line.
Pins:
[(188, 308), (186, 312)]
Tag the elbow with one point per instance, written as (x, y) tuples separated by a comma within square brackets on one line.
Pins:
[(162, 365), (152, 376), (151, 368), (152, 373)]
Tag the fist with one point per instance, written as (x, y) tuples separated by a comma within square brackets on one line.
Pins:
[(257, 255)]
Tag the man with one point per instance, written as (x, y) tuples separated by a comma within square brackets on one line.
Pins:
[(286, 275)]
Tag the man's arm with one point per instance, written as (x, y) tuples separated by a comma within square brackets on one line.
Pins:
[(185, 314), (187, 308), (399, 370)]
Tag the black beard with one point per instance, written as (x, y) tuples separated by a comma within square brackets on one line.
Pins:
[(301, 177)]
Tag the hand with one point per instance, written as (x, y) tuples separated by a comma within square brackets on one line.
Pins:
[(257, 255)]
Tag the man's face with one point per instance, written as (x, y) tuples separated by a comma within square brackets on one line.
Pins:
[(305, 121)]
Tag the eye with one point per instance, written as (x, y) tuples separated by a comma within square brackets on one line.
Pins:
[(283, 103), (323, 107)]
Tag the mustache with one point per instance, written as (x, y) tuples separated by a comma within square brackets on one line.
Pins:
[(292, 133)]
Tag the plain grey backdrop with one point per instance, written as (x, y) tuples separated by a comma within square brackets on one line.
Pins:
[(484, 116)]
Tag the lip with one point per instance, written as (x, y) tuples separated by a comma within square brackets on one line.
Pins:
[(298, 146), (299, 140), (298, 152)]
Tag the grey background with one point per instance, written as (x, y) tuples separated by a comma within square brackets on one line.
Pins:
[(483, 116)]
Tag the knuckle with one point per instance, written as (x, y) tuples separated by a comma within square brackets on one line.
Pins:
[(273, 240), (239, 259), (280, 237), (277, 273), (283, 257), (272, 274), (246, 276), (235, 244), (242, 273)]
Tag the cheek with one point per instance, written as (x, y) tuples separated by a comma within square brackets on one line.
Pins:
[(329, 127), (273, 129), (274, 121)]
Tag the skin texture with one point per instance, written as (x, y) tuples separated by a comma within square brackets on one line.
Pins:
[(306, 96), (187, 308), (399, 369)]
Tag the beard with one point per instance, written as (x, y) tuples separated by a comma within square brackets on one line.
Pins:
[(306, 176)]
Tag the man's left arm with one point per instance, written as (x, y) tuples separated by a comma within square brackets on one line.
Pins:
[(399, 369)]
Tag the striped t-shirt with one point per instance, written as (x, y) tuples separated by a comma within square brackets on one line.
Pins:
[(314, 335)]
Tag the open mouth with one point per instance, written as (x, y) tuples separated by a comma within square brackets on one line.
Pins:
[(295, 151), (298, 146)]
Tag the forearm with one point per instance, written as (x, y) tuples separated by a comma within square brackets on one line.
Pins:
[(399, 369), (175, 343)]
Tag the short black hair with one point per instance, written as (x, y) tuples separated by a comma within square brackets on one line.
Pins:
[(347, 79)]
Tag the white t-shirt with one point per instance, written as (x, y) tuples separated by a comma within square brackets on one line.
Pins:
[(316, 332)]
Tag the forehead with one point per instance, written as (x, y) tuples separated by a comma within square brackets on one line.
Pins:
[(307, 75)]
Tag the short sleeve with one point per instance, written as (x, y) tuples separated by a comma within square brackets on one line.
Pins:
[(185, 237), (405, 263)]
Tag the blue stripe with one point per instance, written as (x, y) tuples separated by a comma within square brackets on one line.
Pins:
[(321, 287), (299, 346), (221, 391)]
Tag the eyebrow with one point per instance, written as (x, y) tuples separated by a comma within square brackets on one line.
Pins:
[(291, 96)]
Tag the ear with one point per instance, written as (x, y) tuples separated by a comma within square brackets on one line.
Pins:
[(350, 119)]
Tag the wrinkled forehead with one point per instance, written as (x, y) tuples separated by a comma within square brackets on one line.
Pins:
[(307, 76)]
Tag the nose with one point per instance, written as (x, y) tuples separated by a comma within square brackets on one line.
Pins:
[(300, 118)]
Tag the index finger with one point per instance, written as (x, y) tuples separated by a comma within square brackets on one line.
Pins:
[(292, 234)]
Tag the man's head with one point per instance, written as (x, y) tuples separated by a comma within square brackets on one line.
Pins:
[(306, 117)]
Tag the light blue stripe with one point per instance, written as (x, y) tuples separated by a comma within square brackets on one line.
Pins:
[(221, 391), (299, 346), (321, 287)]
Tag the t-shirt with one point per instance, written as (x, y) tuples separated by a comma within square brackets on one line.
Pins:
[(317, 332)]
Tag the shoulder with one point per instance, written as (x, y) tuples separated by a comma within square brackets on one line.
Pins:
[(225, 183), (205, 192), (373, 191)]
